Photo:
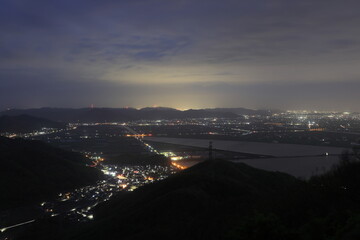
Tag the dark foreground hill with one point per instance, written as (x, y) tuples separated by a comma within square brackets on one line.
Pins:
[(31, 171), (115, 114), (203, 202), (198, 203), (223, 200), (26, 123)]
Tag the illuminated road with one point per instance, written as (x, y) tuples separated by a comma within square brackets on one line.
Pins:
[(150, 148), (130, 130), (16, 225)]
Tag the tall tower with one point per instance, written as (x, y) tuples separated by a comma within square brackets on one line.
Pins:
[(210, 151)]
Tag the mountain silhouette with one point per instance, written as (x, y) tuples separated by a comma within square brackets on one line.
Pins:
[(25, 123)]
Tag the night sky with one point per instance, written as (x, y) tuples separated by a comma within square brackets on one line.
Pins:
[(286, 54)]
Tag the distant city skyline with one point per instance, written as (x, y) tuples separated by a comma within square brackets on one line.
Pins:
[(276, 54), (91, 106)]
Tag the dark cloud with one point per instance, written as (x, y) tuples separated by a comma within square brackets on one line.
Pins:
[(89, 50)]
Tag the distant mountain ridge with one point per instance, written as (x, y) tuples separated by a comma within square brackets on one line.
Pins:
[(129, 114), (25, 123), (115, 114)]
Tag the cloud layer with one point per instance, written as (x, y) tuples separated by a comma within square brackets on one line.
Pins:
[(181, 53)]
